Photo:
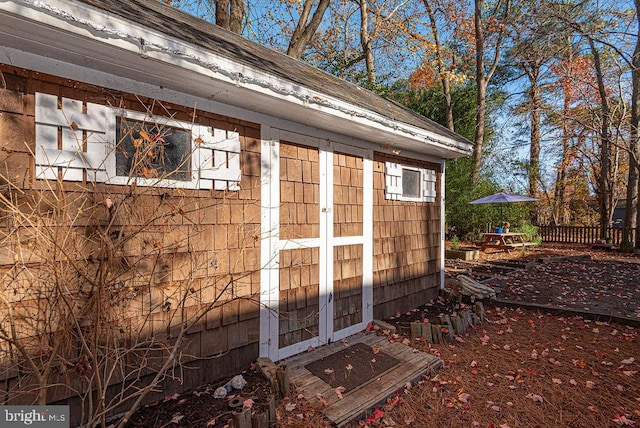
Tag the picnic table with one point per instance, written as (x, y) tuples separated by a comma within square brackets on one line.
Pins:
[(504, 241)]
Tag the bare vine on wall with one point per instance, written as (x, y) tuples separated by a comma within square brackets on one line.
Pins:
[(102, 284)]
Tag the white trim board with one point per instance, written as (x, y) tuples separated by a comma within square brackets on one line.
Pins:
[(325, 161), (442, 223), (269, 232)]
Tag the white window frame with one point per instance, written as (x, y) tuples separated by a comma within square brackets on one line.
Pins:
[(403, 197), (214, 159), (393, 183)]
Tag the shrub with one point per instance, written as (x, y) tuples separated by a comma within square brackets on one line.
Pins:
[(530, 231), (455, 243)]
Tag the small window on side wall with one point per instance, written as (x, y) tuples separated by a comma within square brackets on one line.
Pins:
[(409, 183)]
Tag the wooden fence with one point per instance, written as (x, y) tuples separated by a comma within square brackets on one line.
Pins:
[(579, 234)]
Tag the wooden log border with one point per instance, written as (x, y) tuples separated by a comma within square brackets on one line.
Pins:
[(449, 326)]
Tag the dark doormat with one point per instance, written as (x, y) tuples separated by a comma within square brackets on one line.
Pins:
[(352, 366)]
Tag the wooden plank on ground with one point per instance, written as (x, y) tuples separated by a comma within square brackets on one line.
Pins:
[(358, 402), (564, 258), (316, 386), (515, 265), (412, 365), (302, 378), (400, 352), (371, 337), (297, 371)]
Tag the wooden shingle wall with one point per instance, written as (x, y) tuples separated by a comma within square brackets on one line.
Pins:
[(347, 286), (299, 268), (348, 188), (299, 295), (299, 191), (406, 245), (161, 250), (347, 195)]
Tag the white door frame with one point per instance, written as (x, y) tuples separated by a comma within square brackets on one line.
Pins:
[(366, 239), (271, 243)]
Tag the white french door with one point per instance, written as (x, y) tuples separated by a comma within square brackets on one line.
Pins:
[(317, 247)]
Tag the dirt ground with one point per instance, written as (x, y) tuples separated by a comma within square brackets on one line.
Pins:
[(520, 368), (201, 409), (606, 283), (608, 287)]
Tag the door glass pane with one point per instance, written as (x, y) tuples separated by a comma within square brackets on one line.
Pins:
[(347, 195)]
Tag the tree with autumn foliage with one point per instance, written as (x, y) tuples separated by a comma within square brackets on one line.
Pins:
[(587, 26), (573, 76), (568, 67), (477, 33), (368, 41), (632, 212), (442, 16)]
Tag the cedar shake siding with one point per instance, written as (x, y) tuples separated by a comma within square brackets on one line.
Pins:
[(406, 245), (199, 239)]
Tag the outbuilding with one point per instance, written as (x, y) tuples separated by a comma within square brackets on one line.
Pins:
[(198, 179)]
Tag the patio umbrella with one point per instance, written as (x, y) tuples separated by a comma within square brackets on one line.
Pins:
[(500, 198)]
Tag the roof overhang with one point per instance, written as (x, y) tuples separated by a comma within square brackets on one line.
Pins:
[(79, 35)]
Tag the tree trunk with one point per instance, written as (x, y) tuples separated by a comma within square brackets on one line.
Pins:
[(561, 175), (236, 16), (448, 106), (482, 78), (365, 41), (444, 77), (481, 91), (222, 13), (605, 197), (533, 73), (230, 14), (304, 31), (632, 215)]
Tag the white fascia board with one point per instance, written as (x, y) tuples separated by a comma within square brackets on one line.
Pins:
[(158, 55)]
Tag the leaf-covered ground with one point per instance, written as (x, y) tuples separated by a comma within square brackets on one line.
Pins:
[(525, 368), (520, 368), (528, 369), (603, 286)]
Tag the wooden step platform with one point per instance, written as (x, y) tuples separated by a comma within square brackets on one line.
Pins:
[(354, 404)]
